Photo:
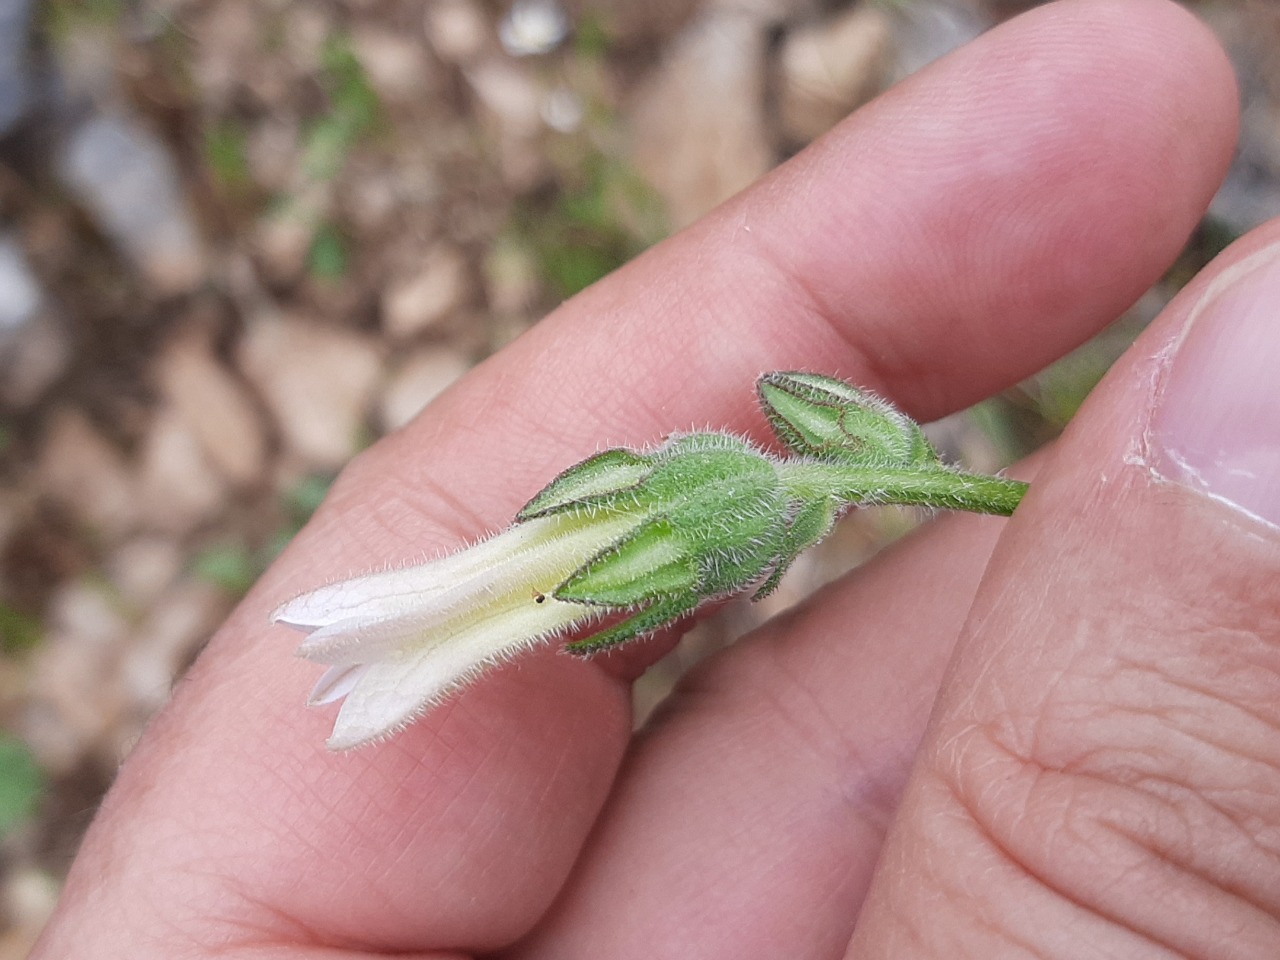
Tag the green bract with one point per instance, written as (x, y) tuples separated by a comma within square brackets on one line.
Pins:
[(635, 539)]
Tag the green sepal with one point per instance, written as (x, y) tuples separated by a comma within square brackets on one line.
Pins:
[(810, 525), (662, 613), (595, 482), (649, 563), (828, 419)]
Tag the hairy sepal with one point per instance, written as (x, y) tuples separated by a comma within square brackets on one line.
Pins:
[(831, 420)]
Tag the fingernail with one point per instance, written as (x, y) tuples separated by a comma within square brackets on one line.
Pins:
[(1216, 426)]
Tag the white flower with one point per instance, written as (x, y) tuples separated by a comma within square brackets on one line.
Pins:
[(403, 640)]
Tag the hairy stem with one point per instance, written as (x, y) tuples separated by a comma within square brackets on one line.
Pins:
[(914, 486)]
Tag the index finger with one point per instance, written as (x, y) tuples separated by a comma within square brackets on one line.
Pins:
[(942, 243)]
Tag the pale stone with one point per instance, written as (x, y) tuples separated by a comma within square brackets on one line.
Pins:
[(30, 896), (20, 294), (124, 175), (282, 241), (167, 639), (697, 123), (510, 92), (533, 27), (396, 64), (924, 32), (827, 70), (416, 383), (271, 152), (511, 278), (73, 699), (457, 29), (33, 357), (178, 486), (318, 382), (214, 405), (141, 569), (308, 28), (420, 301), (88, 476), (230, 34)]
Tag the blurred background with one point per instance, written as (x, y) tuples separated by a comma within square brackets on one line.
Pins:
[(242, 239)]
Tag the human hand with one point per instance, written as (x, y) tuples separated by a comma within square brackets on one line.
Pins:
[(1101, 774)]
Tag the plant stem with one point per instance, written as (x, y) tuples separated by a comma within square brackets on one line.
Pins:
[(918, 486)]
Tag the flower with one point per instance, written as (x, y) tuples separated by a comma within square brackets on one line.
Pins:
[(402, 640), (649, 534)]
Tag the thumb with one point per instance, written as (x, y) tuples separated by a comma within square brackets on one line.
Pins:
[(1101, 777)]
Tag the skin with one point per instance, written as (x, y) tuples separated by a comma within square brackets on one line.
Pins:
[(794, 797)]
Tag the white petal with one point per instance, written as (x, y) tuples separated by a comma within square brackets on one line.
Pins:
[(444, 585), (392, 692), (362, 641), (336, 683)]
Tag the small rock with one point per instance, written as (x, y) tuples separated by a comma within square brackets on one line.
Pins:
[(32, 358), (178, 486), (33, 344), (20, 296), (73, 699), (923, 32), (1251, 193), (418, 302), (126, 179), (827, 70), (282, 237), (418, 381), (142, 569), (457, 29), (271, 152), (533, 27), (79, 470), (162, 646), (213, 404), (15, 82), (230, 33), (317, 382), (563, 110), (396, 64), (29, 898), (511, 278), (511, 94), (307, 29), (698, 124)]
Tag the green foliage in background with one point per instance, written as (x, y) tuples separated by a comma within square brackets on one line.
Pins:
[(605, 217), (328, 257), (18, 631), (235, 567), (21, 784), (226, 155), (62, 17), (353, 112)]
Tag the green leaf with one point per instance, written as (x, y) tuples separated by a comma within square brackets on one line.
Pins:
[(595, 481), (21, 784)]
